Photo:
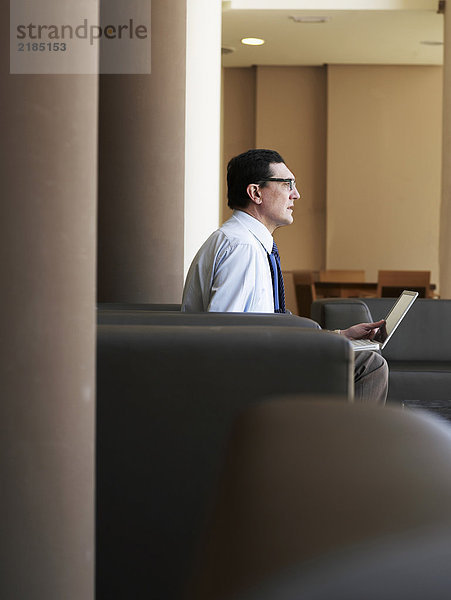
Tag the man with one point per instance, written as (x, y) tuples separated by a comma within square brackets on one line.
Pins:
[(238, 270)]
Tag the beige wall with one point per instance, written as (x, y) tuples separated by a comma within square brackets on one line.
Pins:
[(445, 209), (382, 127), (284, 108), (238, 120), (291, 118), (384, 164)]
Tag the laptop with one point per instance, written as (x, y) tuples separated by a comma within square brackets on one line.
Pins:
[(392, 320)]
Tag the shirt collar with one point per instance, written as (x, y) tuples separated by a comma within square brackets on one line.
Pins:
[(256, 228)]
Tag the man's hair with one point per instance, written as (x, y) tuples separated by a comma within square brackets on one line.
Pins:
[(250, 167)]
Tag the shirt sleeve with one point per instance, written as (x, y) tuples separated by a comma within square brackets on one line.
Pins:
[(238, 285)]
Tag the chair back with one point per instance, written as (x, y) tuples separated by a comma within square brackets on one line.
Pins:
[(301, 483), (291, 300), (304, 281), (166, 399), (390, 284), (340, 276)]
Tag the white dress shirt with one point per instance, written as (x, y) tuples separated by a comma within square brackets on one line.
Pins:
[(230, 273)]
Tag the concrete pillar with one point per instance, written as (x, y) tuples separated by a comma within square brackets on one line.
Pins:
[(141, 170), (202, 128), (47, 274), (445, 212)]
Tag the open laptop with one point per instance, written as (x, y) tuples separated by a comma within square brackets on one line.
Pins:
[(392, 320)]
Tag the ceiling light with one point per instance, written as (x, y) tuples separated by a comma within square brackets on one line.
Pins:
[(252, 41), (309, 19)]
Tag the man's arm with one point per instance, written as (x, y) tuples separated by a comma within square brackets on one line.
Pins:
[(362, 331), (238, 284)]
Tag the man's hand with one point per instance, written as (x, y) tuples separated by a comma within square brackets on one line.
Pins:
[(362, 331)]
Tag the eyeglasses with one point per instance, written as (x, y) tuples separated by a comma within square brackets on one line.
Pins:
[(291, 182)]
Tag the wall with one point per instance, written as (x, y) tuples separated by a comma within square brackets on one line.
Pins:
[(291, 118), (381, 170), (238, 119), (384, 165), (284, 108)]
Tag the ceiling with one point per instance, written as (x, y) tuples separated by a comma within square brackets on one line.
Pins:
[(355, 32)]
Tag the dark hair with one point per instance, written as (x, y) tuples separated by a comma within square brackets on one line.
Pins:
[(249, 167)]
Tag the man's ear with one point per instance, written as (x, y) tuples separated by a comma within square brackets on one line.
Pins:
[(253, 191)]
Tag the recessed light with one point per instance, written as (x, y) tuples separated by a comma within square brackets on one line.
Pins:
[(252, 41), (309, 19)]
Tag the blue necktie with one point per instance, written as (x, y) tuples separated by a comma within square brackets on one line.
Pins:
[(277, 280)]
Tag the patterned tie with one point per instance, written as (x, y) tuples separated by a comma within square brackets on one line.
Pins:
[(277, 280)]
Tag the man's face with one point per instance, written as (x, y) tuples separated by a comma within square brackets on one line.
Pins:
[(277, 204)]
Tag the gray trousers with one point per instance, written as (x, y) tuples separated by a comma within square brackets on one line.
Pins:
[(370, 378)]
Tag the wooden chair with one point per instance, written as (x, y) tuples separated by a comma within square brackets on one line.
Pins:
[(350, 283), (340, 276), (391, 283), (304, 282)]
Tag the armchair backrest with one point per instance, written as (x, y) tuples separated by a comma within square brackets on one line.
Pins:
[(166, 399)]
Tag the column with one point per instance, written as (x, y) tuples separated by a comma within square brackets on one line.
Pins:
[(47, 272), (142, 170), (445, 211), (202, 124)]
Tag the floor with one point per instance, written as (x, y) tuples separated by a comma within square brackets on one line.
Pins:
[(440, 408)]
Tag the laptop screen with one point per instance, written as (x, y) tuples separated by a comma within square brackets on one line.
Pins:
[(395, 316)]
